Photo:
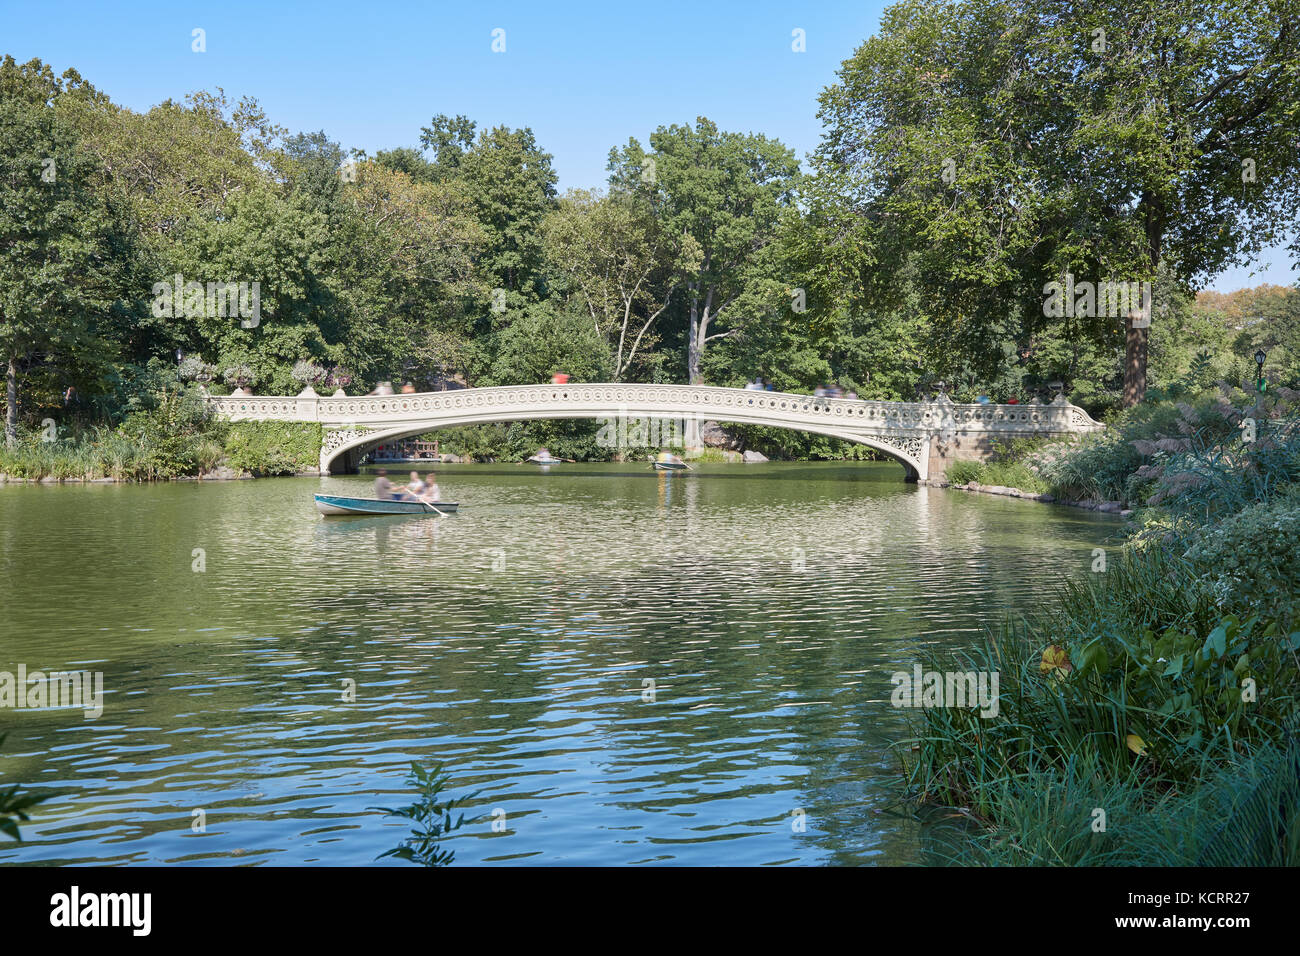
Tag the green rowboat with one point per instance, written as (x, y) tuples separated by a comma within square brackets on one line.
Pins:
[(333, 505)]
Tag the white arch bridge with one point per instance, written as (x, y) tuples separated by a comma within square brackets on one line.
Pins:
[(925, 436)]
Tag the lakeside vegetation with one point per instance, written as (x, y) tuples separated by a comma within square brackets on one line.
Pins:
[(1162, 687), (172, 435)]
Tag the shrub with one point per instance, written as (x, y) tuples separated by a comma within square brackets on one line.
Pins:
[(194, 369), (1011, 474), (1252, 559), (1185, 455), (116, 455), (964, 472), (273, 448), (168, 436), (209, 454), (170, 433), (1098, 466), (430, 816), (1166, 689), (308, 373)]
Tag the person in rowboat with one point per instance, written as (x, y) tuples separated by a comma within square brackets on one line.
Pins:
[(428, 492), (384, 487), (413, 489)]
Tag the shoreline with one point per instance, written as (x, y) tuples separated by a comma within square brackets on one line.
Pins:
[(1088, 504), (246, 476)]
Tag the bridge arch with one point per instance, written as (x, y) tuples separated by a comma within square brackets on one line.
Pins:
[(349, 443)]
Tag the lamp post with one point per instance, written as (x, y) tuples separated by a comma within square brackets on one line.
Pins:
[(1260, 384), (180, 357)]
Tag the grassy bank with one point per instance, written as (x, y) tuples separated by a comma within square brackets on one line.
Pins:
[(175, 436), (1149, 716), (1008, 467)]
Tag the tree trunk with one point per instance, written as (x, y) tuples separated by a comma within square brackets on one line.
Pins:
[(1135, 363), (1135, 342), (693, 341), (11, 401)]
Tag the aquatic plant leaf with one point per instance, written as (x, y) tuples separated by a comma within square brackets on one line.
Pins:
[(1056, 660)]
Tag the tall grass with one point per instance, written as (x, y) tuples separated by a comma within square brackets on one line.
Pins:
[(1010, 474), (1129, 690), (1245, 812), (176, 436), (36, 459)]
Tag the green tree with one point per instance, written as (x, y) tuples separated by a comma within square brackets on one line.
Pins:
[(542, 341), (404, 159), (62, 254), (276, 242), (413, 283), (726, 191), (623, 266), (511, 183), (1269, 320), (512, 186), (177, 164), (448, 139), (1001, 145)]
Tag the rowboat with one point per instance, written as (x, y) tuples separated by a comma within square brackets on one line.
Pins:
[(546, 461), (344, 505), (671, 466)]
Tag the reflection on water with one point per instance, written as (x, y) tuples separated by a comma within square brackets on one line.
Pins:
[(634, 666)]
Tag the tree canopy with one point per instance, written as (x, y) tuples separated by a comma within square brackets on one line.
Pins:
[(994, 179)]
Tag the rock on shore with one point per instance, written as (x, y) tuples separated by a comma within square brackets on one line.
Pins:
[(715, 436)]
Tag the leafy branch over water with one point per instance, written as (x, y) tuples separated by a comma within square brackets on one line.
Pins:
[(14, 806), (432, 818)]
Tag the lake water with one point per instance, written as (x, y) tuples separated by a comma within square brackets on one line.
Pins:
[(632, 667)]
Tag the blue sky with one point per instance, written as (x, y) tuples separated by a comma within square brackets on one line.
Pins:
[(585, 76)]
